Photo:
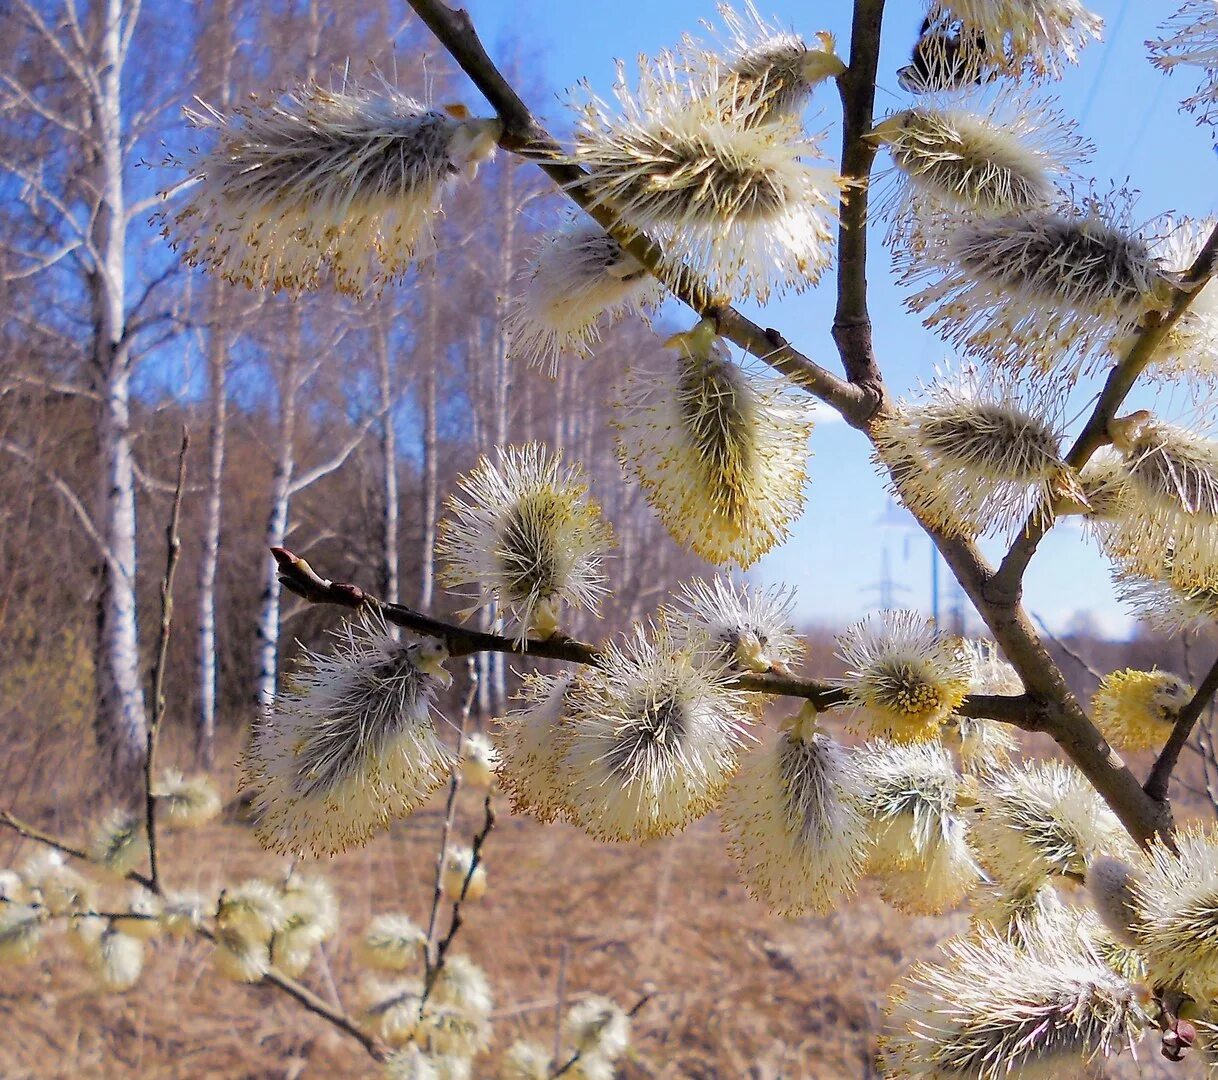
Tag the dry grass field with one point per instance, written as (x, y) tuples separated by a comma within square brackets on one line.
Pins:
[(738, 993)]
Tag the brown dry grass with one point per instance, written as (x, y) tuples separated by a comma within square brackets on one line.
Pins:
[(740, 993)]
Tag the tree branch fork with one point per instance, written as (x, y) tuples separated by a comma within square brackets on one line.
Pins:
[(1049, 705)]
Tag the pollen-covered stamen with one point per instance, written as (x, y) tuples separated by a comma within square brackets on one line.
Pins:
[(720, 453), (1014, 36), (978, 455), (580, 279), (1084, 264), (796, 832), (1166, 606), (1043, 820), (653, 736), (1191, 347), (764, 74), (1169, 503), (1191, 39), (1037, 286), (1136, 710), (531, 750), (996, 1007), (528, 537), (903, 678), (321, 181)]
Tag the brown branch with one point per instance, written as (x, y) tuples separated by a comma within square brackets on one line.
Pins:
[(173, 544), (450, 810), (570, 1063), (852, 322), (289, 986), (298, 577), (1160, 774), (1120, 381), (523, 135), (458, 920), (10, 821), (316, 1005), (1058, 711)]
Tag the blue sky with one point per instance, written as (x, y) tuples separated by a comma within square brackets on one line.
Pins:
[(1123, 105)]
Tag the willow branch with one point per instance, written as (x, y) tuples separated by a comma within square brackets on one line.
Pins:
[(318, 1006), (1059, 713), (173, 544), (301, 993), (852, 321), (1120, 381), (450, 813), (523, 135), (1160, 774), (458, 919), (571, 1062), (21, 828), (298, 577)]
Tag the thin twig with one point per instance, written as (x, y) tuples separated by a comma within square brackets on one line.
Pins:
[(315, 1004), (560, 999), (457, 920), (1078, 658), (523, 135), (450, 813), (21, 828), (570, 1063), (173, 544), (289, 986), (300, 578), (1160, 774)]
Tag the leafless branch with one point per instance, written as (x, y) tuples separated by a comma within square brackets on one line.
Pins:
[(173, 544), (1160, 774)]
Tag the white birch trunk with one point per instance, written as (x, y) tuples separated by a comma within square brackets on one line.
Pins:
[(120, 720), (277, 527), (390, 510), (209, 559), (431, 475)]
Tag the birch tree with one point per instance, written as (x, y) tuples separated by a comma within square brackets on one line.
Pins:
[(72, 145)]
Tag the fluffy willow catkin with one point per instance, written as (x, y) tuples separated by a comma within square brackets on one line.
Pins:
[(1002, 154), (390, 942), (1136, 710), (316, 183), (1038, 286), (903, 678), (1168, 502), (724, 194), (1191, 40), (977, 453), (1191, 347), (350, 744), (1175, 897), (653, 737), (527, 536), (747, 627), (579, 280), (795, 829), (532, 745), (1040, 1008), (1016, 36), (721, 454), (1043, 820), (760, 73), (918, 838)]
